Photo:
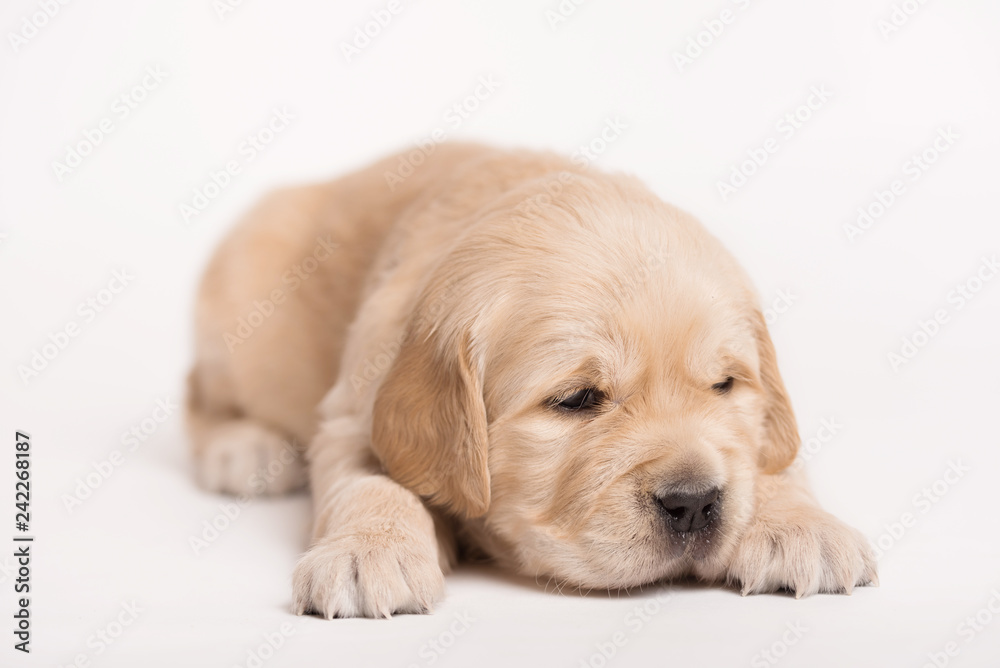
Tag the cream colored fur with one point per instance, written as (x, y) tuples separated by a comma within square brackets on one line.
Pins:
[(442, 320)]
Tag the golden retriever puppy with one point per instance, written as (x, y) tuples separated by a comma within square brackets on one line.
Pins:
[(512, 356)]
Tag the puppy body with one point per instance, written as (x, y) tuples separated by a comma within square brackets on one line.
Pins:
[(459, 316)]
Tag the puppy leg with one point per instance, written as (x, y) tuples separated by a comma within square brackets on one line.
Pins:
[(238, 455), (375, 547), (792, 543)]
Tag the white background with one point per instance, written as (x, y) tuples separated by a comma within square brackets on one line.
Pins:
[(853, 302)]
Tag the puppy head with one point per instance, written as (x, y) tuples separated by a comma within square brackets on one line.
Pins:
[(596, 391)]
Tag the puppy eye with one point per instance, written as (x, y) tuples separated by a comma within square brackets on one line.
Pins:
[(582, 400), (725, 386)]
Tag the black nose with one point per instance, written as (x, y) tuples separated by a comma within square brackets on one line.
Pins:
[(689, 512)]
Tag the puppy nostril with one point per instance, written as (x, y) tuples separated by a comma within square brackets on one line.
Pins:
[(689, 512), (676, 513)]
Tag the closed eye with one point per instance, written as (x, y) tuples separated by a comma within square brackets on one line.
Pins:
[(586, 399), (725, 386)]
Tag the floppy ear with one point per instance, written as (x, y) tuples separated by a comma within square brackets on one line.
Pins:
[(429, 423), (781, 433)]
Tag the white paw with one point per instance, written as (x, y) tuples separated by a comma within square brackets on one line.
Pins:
[(245, 458), (803, 550), (371, 573)]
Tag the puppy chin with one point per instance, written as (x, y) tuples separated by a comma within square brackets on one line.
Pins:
[(635, 566), (695, 546), (668, 555), (598, 559)]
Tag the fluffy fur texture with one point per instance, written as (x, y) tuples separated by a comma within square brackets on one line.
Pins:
[(451, 315)]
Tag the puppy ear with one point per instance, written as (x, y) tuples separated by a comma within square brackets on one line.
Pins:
[(781, 433), (429, 423)]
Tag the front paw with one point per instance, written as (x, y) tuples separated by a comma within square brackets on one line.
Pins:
[(803, 550), (370, 573)]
